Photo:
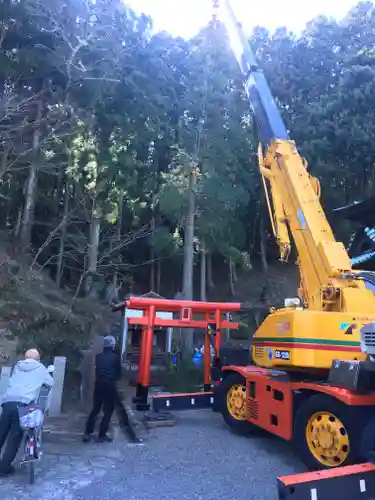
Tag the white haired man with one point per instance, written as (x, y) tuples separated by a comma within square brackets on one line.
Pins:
[(27, 378)]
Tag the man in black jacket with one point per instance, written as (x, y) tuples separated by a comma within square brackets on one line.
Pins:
[(107, 373)]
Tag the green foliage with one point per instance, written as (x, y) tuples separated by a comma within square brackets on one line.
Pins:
[(324, 84), (167, 244), (126, 115), (185, 377)]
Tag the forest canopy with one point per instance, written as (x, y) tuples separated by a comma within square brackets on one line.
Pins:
[(119, 146)]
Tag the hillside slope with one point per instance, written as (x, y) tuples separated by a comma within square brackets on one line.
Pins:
[(34, 312), (281, 281)]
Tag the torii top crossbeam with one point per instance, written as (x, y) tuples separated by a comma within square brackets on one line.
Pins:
[(212, 311), (176, 305)]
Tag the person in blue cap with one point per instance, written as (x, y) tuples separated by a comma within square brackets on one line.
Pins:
[(107, 373)]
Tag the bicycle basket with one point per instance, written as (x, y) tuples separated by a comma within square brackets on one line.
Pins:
[(31, 417)]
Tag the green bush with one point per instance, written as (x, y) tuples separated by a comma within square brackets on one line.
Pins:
[(185, 377)]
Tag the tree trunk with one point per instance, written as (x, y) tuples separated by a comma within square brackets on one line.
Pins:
[(118, 236), (234, 271), (92, 252), (60, 256), (158, 275), (31, 186), (263, 249), (231, 280), (203, 275), (8, 210), (187, 281), (17, 227), (152, 253), (210, 279), (4, 163)]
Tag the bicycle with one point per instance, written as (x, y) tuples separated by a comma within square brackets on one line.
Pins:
[(31, 421), (32, 442)]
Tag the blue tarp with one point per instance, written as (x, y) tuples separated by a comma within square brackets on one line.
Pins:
[(365, 257)]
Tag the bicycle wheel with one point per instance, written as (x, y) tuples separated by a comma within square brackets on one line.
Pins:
[(31, 471), (38, 444), (32, 449)]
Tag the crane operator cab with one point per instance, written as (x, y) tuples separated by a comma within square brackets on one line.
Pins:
[(355, 374), (367, 340)]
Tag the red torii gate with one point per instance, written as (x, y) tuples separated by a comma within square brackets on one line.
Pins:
[(213, 315)]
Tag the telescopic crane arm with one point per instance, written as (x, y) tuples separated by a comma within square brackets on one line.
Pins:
[(269, 122), (328, 282), (262, 103)]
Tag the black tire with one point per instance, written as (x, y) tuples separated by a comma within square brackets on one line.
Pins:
[(352, 419), (239, 426), (31, 472)]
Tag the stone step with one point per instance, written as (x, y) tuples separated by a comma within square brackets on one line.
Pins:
[(53, 435), (160, 419), (66, 427)]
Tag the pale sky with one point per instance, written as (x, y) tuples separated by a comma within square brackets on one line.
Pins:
[(185, 17)]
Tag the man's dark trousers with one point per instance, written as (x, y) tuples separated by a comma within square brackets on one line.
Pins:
[(9, 428), (104, 397)]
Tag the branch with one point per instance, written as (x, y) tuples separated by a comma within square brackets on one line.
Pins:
[(44, 141), (78, 289), (103, 78), (142, 233), (52, 234)]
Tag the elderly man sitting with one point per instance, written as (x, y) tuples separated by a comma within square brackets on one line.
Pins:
[(27, 378)]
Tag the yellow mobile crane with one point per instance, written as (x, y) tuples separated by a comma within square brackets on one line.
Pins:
[(311, 375)]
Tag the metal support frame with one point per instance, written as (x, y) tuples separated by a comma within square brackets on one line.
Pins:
[(190, 401), (354, 482)]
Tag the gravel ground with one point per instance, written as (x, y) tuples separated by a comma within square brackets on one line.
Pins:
[(198, 458)]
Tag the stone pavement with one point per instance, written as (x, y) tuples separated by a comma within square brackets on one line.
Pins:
[(67, 464), (61, 472), (198, 459)]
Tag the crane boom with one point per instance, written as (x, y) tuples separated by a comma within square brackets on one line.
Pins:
[(269, 120), (327, 280), (311, 361)]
